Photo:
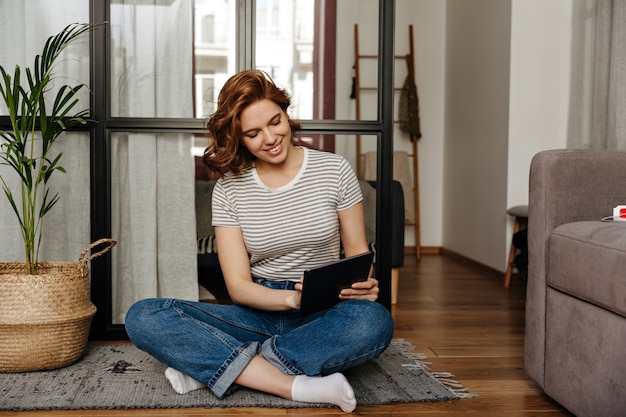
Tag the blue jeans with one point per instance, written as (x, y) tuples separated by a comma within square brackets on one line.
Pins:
[(213, 343)]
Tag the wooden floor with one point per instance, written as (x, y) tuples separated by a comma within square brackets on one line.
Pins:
[(462, 318)]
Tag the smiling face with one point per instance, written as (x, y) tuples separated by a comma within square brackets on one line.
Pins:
[(266, 132)]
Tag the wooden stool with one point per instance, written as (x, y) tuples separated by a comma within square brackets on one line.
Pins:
[(519, 213)]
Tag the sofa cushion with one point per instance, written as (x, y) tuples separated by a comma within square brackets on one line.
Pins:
[(588, 260), (206, 245), (204, 194)]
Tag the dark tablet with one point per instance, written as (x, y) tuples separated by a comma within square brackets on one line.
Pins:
[(321, 286)]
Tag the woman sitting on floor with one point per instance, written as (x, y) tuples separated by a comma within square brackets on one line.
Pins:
[(279, 210)]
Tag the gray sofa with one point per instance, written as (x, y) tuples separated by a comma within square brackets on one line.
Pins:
[(576, 296), (207, 253)]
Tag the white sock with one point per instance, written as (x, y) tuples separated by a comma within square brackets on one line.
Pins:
[(182, 383), (333, 389)]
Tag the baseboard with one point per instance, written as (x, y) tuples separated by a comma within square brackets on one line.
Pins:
[(471, 262), (438, 250), (424, 250)]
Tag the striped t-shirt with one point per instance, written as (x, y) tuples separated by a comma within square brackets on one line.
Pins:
[(292, 228)]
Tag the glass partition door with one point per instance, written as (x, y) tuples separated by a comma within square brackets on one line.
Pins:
[(156, 74)]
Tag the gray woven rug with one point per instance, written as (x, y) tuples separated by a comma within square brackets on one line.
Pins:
[(121, 376)]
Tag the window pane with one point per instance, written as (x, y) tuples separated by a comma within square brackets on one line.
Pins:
[(151, 59), (214, 51), (152, 218), (308, 47), (66, 227), (24, 28)]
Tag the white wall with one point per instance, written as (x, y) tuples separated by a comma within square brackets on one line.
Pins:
[(476, 128), (539, 94), (540, 81), (504, 103)]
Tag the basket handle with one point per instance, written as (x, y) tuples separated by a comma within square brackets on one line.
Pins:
[(110, 244)]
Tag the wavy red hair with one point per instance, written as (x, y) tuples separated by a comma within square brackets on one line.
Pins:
[(225, 151)]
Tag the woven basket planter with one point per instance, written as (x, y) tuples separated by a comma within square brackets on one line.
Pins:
[(45, 318)]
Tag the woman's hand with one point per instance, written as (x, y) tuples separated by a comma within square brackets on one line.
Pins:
[(294, 298), (353, 239), (365, 290)]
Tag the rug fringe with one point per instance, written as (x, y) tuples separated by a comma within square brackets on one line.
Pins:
[(444, 377)]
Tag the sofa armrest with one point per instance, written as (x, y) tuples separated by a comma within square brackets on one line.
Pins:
[(565, 186)]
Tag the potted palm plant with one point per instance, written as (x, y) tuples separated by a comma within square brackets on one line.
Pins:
[(45, 307)]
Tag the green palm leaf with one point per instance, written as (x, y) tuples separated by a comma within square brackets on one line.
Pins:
[(21, 150)]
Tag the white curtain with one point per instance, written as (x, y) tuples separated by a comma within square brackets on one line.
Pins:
[(598, 93), (24, 28), (153, 215)]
